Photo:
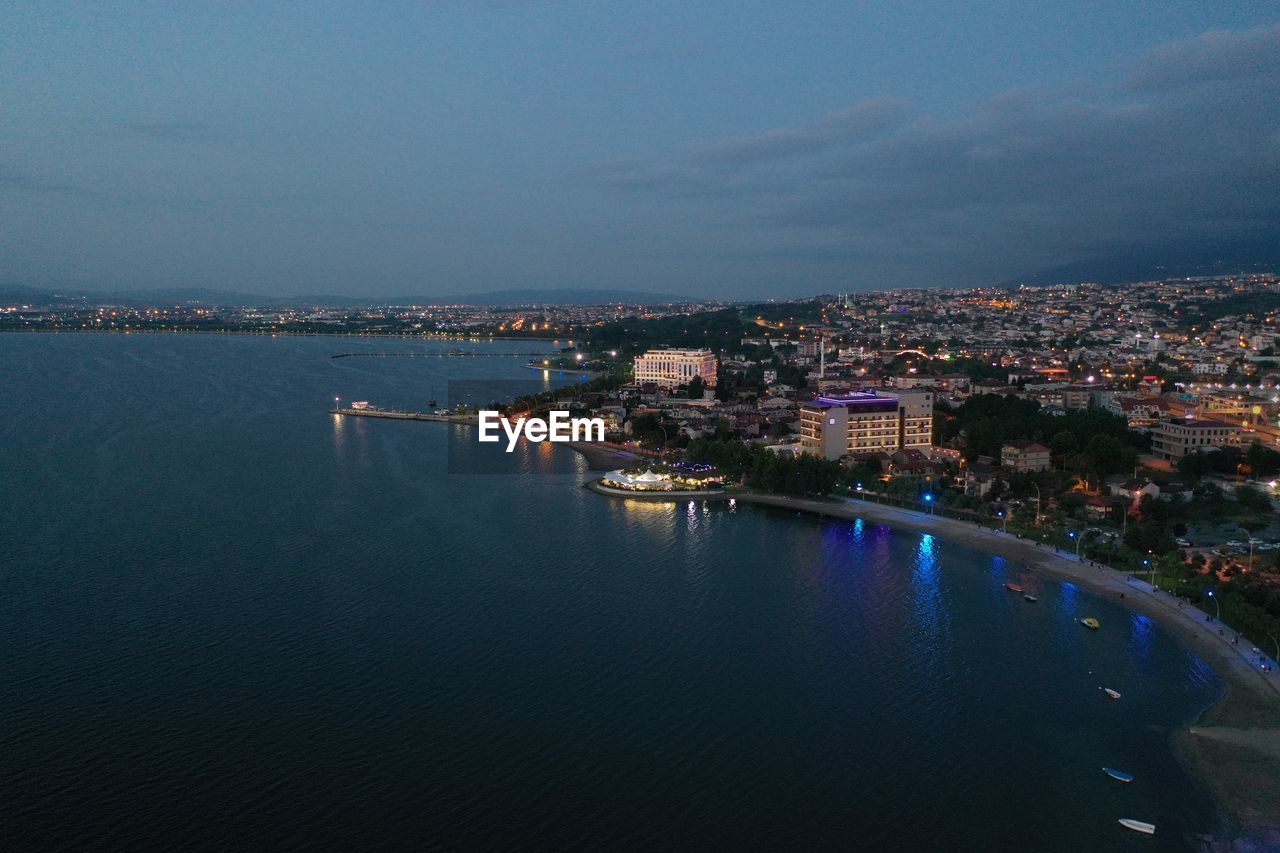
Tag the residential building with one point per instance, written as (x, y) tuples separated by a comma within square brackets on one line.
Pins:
[(1023, 455), (1174, 439), (981, 477)]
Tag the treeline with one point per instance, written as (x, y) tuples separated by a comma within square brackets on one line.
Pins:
[(1254, 460), (567, 393), (1093, 442), (713, 329), (765, 470)]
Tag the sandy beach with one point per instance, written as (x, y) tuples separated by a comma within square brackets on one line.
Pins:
[(1235, 744)]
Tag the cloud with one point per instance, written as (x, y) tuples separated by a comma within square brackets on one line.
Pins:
[(1183, 146), (1213, 57), (857, 124)]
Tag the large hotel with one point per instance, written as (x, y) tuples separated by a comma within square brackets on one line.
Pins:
[(867, 422), (671, 368)]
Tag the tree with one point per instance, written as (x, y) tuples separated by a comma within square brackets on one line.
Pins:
[(1195, 465), (1064, 446), (696, 388), (1251, 499)]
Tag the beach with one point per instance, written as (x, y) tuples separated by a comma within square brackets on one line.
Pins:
[(1234, 746)]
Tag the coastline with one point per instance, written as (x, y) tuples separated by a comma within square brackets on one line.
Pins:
[(603, 458), (1234, 745)]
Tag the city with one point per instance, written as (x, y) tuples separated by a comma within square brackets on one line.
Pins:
[(598, 426)]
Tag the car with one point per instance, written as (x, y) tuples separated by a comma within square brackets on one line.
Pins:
[(1182, 543)]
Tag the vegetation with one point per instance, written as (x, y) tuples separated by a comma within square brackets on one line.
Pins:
[(1256, 460), (1093, 442), (764, 469)]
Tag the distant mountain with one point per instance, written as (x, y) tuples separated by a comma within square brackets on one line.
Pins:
[(60, 295), (1147, 263), (210, 296)]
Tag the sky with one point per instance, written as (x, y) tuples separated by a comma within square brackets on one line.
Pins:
[(712, 149)]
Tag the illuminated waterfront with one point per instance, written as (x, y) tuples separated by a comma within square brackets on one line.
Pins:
[(232, 619)]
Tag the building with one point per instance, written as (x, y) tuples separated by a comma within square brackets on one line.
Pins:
[(1174, 439), (671, 368), (954, 382), (866, 422), (1023, 455), (981, 477)]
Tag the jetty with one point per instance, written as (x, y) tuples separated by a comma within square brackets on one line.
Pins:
[(453, 353), (372, 412)]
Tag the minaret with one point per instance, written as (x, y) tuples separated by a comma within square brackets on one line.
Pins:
[(822, 356)]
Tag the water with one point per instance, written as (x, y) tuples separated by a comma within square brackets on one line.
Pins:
[(230, 620)]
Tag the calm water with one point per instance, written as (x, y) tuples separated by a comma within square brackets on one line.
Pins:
[(233, 621)]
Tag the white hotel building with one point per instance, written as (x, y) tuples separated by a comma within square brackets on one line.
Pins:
[(671, 368), (867, 422)]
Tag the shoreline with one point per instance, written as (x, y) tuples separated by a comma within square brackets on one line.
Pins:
[(276, 334), (1234, 744), (603, 458)]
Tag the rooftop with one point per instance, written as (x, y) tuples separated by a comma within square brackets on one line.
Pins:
[(852, 398)]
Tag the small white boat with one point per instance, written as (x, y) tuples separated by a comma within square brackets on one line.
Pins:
[(1138, 825), (1119, 775), (1029, 597), (1112, 693)]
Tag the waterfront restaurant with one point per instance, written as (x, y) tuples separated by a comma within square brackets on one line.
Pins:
[(663, 479)]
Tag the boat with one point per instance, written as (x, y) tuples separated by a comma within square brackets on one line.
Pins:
[(1138, 825), (1112, 693), (1029, 597), (1091, 623), (1119, 775), (1013, 587)]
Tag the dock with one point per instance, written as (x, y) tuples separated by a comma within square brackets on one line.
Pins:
[(453, 353), (370, 412)]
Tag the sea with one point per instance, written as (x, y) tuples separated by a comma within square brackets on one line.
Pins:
[(231, 620)]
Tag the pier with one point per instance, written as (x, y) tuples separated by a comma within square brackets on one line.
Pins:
[(453, 353), (402, 416)]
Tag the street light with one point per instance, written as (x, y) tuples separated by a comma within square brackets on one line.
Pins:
[(1277, 642), (928, 498), (1004, 520), (1080, 539), (1216, 606), (1036, 486)]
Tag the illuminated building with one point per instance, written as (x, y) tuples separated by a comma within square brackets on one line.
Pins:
[(867, 422), (671, 368)]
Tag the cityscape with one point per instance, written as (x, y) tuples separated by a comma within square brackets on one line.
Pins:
[(576, 426)]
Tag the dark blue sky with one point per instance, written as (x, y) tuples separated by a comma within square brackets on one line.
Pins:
[(721, 149)]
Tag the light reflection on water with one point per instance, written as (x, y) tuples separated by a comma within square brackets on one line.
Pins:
[(927, 590), (1140, 637), (492, 662)]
